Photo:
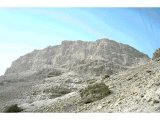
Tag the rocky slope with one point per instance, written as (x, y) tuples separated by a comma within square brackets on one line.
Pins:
[(134, 90), (58, 72)]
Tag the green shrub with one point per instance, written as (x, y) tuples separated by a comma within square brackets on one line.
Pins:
[(13, 109), (94, 92)]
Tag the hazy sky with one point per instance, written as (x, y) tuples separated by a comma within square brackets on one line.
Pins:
[(24, 29)]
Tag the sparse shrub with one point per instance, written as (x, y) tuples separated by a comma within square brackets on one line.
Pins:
[(130, 78), (56, 91), (94, 92), (90, 81), (13, 109), (105, 76), (54, 73), (149, 72)]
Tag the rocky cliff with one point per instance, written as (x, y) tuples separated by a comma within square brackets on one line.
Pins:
[(101, 56)]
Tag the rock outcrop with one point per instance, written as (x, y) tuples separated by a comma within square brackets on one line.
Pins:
[(95, 58), (156, 54)]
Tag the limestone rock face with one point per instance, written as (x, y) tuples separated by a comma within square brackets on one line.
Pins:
[(156, 54), (93, 58)]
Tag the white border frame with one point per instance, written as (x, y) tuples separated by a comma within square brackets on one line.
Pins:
[(79, 3)]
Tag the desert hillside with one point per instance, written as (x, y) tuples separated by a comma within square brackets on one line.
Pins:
[(80, 76), (134, 90)]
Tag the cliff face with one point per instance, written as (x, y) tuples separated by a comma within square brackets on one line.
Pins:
[(96, 57)]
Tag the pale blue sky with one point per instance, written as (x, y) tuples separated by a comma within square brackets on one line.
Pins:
[(24, 29)]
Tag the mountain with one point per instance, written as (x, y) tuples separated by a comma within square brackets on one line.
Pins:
[(63, 70), (95, 58)]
